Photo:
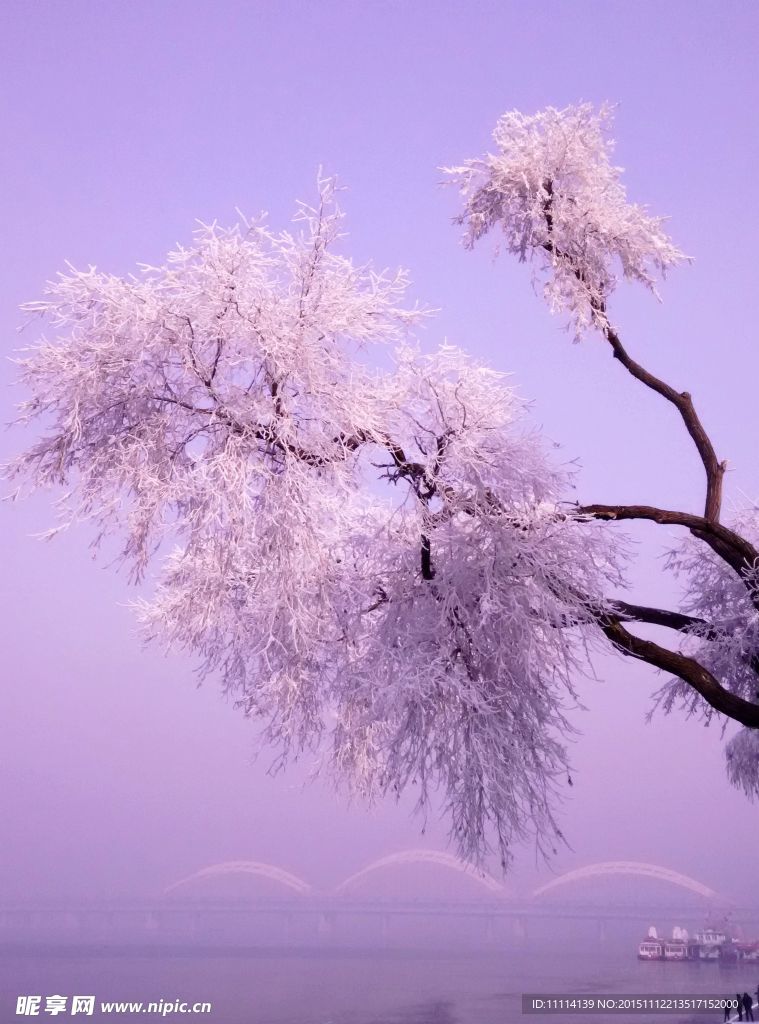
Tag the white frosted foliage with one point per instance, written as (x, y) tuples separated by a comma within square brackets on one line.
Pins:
[(373, 562), (362, 540), (742, 757), (554, 196), (726, 638)]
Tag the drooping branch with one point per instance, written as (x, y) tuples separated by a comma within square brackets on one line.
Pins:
[(610, 617), (685, 668), (627, 612)]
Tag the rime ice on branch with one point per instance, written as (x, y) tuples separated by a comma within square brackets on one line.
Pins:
[(555, 198), (374, 555), (558, 201)]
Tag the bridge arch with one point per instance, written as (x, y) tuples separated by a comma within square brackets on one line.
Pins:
[(630, 868), (244, 867), (445, 860)]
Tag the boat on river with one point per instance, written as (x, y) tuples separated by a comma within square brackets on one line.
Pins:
[(709, 944)]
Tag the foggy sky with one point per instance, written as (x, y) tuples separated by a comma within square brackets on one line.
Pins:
[(121, 124)]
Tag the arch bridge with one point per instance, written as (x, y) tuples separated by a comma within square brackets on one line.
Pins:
[(245, 867), (489, 884), (435, 857), (629, 868)]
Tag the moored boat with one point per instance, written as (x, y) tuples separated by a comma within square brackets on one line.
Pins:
[(748, 951), (675, 949), (709, 944), (651, 949)]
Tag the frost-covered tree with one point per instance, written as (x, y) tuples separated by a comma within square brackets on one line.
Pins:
[(553, 193), (376, 555)]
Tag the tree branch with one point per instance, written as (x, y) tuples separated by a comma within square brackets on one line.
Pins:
[(627, 612), (715, 470), (739, 553), (677, 621), (428, 572), (685, 668)]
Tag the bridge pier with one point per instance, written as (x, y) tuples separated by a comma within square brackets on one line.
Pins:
[(602, 934), (520, 929)]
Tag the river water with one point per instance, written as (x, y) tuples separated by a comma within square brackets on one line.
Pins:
[(276, 986)]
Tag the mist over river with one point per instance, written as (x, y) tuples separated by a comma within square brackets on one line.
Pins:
[(334, 986)]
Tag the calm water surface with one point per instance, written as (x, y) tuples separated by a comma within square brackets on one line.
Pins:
[(355, 987)]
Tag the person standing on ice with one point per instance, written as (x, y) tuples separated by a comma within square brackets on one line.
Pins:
[(747, 1006)]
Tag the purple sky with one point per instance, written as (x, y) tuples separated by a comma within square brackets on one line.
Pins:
[(124, 122)]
